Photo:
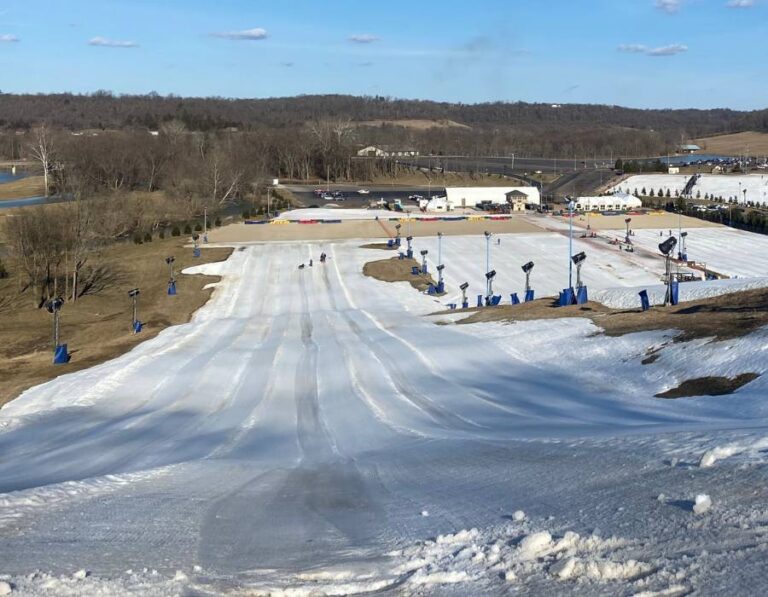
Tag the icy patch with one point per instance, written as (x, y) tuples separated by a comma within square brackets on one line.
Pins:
[(518, 516), (20, 504)]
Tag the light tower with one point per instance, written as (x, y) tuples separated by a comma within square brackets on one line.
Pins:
[(528, 290), (626, 239), (60, 353), (464, 301), (489, 280), (409, 251), (136, 325), (172, 278), (424, 261), (440, 281), (666, 249)]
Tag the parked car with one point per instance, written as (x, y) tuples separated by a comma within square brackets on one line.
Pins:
[(363, 192), (327, 197)]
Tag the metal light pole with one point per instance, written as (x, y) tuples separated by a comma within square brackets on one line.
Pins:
[(571, 205), (439, 248), (627, 221), (135, 325), (487, 261)]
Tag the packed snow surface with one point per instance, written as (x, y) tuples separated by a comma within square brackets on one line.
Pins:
[(312, 432), (715, 185)]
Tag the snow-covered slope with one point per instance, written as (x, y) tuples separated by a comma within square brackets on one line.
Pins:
[(310, 430)]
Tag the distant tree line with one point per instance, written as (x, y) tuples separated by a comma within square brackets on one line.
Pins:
[(567, 131)]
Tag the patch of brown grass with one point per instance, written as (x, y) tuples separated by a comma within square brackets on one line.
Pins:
[(727, 316), (709, 386), (30, 186), (735, 143), (97, 327), (398, 270), (418, 124)]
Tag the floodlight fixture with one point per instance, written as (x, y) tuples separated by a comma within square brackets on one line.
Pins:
[(668, 245), (409, 238), (440, 267), (464, 286), (170, 260), (398, 226), (528, 267), (134, 292), (579, 258), (424, 253), (683, 234), (53, 306), (490, 275), (487, 234), (195, 236), (628, 220)]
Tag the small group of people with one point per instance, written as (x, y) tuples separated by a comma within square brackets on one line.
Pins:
[(323, 257)]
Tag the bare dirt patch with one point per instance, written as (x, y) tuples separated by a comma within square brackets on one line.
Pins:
[(728, 316), (709, 386), (97, 327), (398, 270)]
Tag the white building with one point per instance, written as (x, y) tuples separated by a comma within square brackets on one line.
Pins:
[(617, 202), (471, 196)]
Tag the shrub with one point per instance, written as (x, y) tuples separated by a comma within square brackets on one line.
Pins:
[(217, 222), (137, 239), (3, 271), (246, 214), (175, 231), (187, 229), (198, 227), (147, 238), (161, 234)]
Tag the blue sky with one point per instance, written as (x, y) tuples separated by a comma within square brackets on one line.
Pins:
[(640, 53)]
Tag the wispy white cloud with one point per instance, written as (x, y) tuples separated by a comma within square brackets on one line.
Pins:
[(633, 48), (669, 50), (740, 3), (105, 42), (363, 38), (254, 34), (668, 6), (8, 38)]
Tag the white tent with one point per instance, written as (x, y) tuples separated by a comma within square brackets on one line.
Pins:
[(617, 202), (471, 196)]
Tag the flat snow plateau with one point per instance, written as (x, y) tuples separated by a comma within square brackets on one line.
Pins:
[(314, 431), (717, 185)]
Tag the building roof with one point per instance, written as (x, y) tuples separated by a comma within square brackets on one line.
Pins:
[(516, 194), (690, 147)]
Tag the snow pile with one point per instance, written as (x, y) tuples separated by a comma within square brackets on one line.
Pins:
[(149, 583), (513, 553), (710, 457), (702, 504), (627, 298)]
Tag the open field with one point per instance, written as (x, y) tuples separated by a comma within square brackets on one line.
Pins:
[(98, 327), (314, 430), (749, 143), (449, 179), (30, 186)]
